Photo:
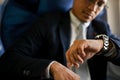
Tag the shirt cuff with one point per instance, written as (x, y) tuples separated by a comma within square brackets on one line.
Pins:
[(48, 70)]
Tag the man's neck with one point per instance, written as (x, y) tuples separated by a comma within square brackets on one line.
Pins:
[(76, 21)]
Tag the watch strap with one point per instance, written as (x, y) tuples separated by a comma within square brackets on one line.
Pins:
[(105, 39)]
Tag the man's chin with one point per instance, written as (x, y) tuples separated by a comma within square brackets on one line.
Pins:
[(86, 20)]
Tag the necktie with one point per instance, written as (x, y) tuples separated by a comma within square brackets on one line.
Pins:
[(83, 70)]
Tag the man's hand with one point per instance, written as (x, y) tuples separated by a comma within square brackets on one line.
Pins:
[(60, 72), (82, 50)]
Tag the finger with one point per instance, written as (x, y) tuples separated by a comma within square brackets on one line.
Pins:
[(77, 58), (69, 64), (80, 59), (81, 52), (73, 61), (76, 64), (70, 59)]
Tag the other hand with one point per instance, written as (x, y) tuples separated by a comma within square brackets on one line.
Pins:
[(60, 72)]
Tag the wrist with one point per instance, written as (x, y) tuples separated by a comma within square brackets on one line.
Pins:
[(54, 68)]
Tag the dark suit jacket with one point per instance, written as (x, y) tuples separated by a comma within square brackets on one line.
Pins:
[(48, 40)]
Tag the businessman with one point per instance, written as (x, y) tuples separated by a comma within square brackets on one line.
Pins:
[(64, 46)]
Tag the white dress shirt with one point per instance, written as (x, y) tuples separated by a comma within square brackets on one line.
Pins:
[(79, 31)]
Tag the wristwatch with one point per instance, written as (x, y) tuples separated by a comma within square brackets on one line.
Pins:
[(105, 39)]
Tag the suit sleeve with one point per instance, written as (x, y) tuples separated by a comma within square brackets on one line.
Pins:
[(20, 60), (116, 41)]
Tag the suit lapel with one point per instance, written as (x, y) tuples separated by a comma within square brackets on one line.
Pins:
[(65, 31), (91, 32)]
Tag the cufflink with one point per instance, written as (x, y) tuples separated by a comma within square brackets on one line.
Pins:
[(26, 72)]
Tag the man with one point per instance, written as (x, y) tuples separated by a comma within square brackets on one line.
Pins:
[(43, 51)]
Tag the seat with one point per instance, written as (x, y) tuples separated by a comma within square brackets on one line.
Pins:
[(2, 3), (18, 15)]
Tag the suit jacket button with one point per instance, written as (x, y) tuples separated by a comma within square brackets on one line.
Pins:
[(26, 72)]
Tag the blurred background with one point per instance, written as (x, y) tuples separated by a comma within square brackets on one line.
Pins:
[(113, 15)]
